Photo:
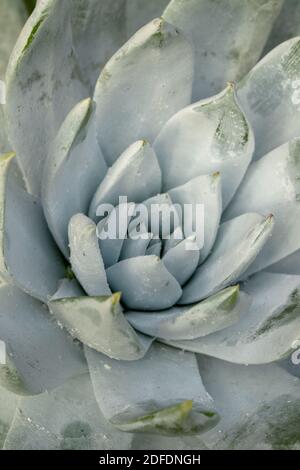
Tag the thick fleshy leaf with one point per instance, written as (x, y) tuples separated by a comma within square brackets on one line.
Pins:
[(213, 314), (85, 256), (40, 355), (228, 36), (258, 405), (159, 71), (154, 249), (173, 240), (272, 186), (99, 29), (269, 95), (13, 15), (239, 242), (43, 70), (161, 217), (140, 12), (68, 288), (182, 260), (209, 136), (270, 330), (136, 245), (145, 283), (135, 175), (24, 237), (66, 418), (286, 26), (151, 398), (142, 441), (291, 363), (72, 172), (288, 265), (8, 404), (112, 232), (204, 190), (5, 146), (100, 324)]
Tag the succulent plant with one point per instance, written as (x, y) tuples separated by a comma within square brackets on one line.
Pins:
[(108, 342)]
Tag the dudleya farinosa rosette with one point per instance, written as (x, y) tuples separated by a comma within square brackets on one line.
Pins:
[(145, 335)]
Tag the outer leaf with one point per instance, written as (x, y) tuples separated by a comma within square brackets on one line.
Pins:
[(99, 29), (216, 313), (5, 146), (228, 36), (239, 242), (267, 333), (208, 136), (288, 265), (40, 356), (42, 69), (140, 12), (67, 418), (286, 25), (259, 406), (24, 237), (289, 365), (156, 442), (100, 324), (270, 97), (145, 283), (158, 80), (8, 403), (72, 172), (151, 398), (279, 169), (12, 18)]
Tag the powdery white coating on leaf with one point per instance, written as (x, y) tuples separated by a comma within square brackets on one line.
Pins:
[(209, 136), (24, 237), (152, 399), (66, 418), (85, 256), (135, 174), (72, 171), (228, 37), (268, 332), (12, 18), (99, 323), (140, 12), (41, 355), (181, 261), (43, 84), (239, 242), (99, 29), (259, 406), (271, 185), (269, 95), (8, 404), (206, 190), (213, 314), (145, 283), (158, 80), (286, 26), (288, 265)]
